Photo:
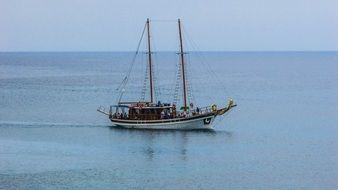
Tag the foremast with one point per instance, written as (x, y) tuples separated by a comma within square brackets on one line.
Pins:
[(150, 64)]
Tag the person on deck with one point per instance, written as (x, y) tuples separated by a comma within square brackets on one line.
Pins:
[(162, 114)]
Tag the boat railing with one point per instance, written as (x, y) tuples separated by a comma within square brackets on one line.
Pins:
[(139, 116)]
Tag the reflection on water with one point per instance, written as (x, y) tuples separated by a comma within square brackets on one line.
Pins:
[(153, 142)]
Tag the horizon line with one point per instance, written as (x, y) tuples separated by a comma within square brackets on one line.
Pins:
[(167, 51)]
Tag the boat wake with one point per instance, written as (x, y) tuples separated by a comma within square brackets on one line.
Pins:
[(27, 124)]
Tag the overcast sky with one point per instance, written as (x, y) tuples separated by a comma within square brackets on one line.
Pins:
[(109, 25)]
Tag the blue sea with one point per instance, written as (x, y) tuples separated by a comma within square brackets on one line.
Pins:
[(282, 135)]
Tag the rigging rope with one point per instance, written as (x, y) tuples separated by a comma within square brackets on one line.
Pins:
[(164, 20), (189, 82), (155, 73), (178, 82), (145, 82), (204, 62), (125, 79)]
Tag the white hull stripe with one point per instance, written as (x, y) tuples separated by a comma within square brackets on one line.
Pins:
[(196, 123)]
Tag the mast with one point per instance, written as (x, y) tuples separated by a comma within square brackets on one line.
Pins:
[(182, 63), (150, 64)]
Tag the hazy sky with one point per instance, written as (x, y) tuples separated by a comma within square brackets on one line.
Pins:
[(109, 25)]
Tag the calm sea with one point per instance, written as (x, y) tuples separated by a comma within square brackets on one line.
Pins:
[(282, 135)]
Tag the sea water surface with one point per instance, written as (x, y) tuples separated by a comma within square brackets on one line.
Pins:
[(282, 135)]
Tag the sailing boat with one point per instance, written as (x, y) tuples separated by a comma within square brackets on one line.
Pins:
[(152, 115)]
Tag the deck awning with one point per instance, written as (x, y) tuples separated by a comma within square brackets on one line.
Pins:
[(153, 107), (120, 106)]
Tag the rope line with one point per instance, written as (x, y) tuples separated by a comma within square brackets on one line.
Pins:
[(125, 79)]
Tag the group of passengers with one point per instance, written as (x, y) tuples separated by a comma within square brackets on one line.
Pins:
[(165, 113), (188, 114), (119, 115)]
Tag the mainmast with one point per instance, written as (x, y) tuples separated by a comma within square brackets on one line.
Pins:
[(182, 64), (150, 64)]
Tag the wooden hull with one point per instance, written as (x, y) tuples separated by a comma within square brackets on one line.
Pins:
[(192, 123)]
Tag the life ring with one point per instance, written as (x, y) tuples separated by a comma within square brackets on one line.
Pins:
[(213, 107)]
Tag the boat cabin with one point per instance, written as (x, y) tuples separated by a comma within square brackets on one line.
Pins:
[(143, 111)]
